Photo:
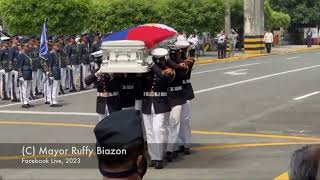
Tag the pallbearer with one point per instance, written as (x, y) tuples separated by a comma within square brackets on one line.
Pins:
[(54, 76), (127, 92), (108, 86), (155, 105), (176, 97), (185, 126), (25, 73)]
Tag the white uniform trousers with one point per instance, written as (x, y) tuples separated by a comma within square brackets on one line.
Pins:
[(53, 91), (8, 81), (185, 125), (138, 105), (2, 81), (155, 126), (45, 87), (75, 75), (39, 80), (68, 77), (35, 81), (15, 84), (102, 116), (85, 72), (25, 88), (63, 78), (173, 128)]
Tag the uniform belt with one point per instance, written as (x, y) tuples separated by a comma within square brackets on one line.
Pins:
[(107, 94), (128, 87), (178, 88), (187, 81), (155, 94)]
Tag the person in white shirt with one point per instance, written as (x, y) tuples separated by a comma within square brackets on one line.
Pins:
[(193, 40), (222, 45), (268, 40)]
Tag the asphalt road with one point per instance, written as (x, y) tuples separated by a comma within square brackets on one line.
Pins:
[(248, 117)]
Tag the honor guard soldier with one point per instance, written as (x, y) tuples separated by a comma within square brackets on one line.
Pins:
[(155, 105), (185, 125), (4, 70), (84, 59), (127, 92), (63, 66), (108, 86), (73, 56), (176, 97), (34, 55), (54, 75), (12, 79), (25, 74)]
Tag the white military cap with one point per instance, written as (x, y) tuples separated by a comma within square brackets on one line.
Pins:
[(159, 52), (181, 44)]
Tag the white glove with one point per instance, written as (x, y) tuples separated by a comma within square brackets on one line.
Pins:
[(149, 61), (21, 79), (51, 78), (98, 73), (69, 67)]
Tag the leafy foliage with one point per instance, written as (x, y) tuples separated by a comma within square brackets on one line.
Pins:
[(302, 12), (274, 19), (118, 14), (63, 16)]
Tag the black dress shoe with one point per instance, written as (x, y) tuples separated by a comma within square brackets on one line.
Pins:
[(187, 151), (25, 106), (181, 149), (47, 103), (15, 100), (73, 90), (33, 97), (6, 98), (82, 89), (158, 165), (152, 163), (169, 156), (30, 105), (55, 105)]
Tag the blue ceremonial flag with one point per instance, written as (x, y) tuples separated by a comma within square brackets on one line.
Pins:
[(44, 51)]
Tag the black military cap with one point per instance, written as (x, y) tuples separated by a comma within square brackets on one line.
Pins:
[(84, 34), (24, 41), (119, 129), (71, 37), (33, 37), (16, 36), (60, 37)]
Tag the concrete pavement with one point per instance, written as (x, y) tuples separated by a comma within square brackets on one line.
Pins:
[(248, 117)]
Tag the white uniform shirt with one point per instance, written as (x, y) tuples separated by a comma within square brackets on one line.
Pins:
[(268, 37)]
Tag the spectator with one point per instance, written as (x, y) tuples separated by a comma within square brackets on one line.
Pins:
[(201, 44), (309, 37), (193, 40), (304, 164), (122, 131), (268, 40), (222, 45)]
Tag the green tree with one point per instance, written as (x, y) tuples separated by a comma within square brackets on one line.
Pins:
[(302, 12), (275, 19), (118, 14), (25, 17), (190, 15)]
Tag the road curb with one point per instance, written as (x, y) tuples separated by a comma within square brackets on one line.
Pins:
[(209, 61)]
